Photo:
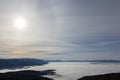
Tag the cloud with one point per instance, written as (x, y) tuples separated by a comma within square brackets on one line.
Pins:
[(61, 29)]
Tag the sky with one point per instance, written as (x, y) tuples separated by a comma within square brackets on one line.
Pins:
[(60, 29)]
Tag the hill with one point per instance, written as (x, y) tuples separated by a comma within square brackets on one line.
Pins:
[(112, 76), (20, 63), (26, 75)]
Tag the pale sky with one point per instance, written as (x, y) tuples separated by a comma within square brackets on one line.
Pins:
[(60, 29)]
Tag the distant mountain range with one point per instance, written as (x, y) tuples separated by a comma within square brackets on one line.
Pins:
[(20, 63), (100, 61), (26, 62)]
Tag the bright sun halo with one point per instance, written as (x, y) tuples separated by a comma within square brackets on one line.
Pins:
[(20, 23)]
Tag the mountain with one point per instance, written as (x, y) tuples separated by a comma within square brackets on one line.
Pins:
[(112, 76), (95, 61), (20, 63)]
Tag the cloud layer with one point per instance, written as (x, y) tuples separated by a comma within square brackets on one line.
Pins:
[(61, 29)]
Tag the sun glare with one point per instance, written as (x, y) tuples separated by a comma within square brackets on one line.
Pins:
[(20, 23)]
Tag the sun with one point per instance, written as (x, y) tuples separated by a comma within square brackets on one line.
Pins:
[(20, 23)]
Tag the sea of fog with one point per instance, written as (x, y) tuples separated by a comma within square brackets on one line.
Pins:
[(74, 70)]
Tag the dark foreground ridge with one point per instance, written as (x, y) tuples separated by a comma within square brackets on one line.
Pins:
[(112, 76), (20, 63), (27, 75)]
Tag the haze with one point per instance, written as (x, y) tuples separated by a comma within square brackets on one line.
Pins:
[(60, 29)]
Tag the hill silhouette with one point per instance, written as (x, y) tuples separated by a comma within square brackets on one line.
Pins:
[(20, 63), (112, 76), (26, 75)]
